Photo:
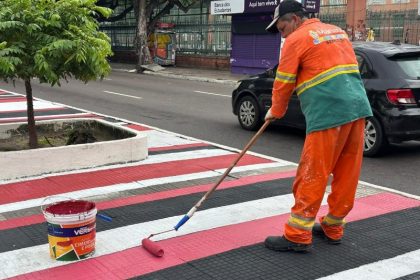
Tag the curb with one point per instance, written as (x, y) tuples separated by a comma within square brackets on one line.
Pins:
[(181, 77), (191, 78)]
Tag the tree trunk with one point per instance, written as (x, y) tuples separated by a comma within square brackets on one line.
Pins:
[(142, 49), (33, 137)]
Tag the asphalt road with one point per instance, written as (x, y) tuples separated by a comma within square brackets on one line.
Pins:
[(203, 110)]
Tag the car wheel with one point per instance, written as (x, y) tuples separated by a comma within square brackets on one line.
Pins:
[(249, 114), (375, 140)]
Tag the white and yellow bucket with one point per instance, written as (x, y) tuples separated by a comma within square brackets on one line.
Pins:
[(71, 229)]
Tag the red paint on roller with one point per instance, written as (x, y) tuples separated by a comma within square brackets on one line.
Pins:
[(152, 247)]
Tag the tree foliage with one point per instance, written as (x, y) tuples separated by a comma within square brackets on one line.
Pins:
[(51, 40)]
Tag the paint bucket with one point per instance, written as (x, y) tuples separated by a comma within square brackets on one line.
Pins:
[(71, 229)]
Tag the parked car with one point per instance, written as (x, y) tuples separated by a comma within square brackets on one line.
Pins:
[(391, 75)]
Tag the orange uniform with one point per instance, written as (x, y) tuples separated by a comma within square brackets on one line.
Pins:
[(319, 64)]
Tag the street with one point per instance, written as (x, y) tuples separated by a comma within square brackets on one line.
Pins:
[(203, 110)]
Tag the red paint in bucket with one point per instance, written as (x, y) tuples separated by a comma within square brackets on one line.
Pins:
[(70, 207), (71, 229)]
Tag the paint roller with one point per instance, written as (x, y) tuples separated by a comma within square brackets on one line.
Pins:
[(158, 251)]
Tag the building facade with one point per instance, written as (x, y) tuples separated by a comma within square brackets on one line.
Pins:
[(237, 40)]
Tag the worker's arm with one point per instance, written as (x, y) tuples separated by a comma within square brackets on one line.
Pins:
[(285, 81)]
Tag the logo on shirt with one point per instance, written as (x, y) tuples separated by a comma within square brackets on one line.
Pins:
[(320, 36)]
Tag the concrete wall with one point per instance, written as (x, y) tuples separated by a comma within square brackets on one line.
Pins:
[(205, 62), (73, 157)]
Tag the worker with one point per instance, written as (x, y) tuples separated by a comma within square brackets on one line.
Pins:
[(370, 35), (318, 64)]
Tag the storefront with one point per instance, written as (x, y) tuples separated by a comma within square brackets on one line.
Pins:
[(253, 48)]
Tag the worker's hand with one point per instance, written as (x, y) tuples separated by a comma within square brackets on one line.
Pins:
[(269, 116)]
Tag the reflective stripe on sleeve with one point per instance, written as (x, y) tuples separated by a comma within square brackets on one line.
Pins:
[(285, 77)]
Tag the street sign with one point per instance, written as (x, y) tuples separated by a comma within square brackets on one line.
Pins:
[(312, 6), (226, 7), (260, 6)]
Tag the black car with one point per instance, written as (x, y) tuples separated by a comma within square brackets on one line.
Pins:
[(391, 75)]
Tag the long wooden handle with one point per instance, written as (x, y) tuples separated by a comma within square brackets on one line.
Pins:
[(209, 192), (250, 143)]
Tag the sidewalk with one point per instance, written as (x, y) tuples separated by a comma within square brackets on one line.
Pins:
[(195, 74), (224, 238)]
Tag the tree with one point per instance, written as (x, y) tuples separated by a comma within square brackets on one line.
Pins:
[(51, 40), (147, 15)]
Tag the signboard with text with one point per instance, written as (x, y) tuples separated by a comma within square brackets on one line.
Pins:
[(260, 6), (226, 7), (256, 6), (312, 6)]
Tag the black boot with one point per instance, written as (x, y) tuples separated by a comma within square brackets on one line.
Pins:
[(280, 243), (318, 231)]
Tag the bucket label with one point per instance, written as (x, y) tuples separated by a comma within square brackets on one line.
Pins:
[(57, 230), (72, 242)]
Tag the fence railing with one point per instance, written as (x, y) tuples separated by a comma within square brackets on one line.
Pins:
[(200, 33), (197, 31), (403, 25)]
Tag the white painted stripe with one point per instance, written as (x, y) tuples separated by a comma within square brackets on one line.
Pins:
[(37, 257), (157, 139), (21, 106), (125, 95), (390, 190), (211, 93), (105, 190), (388, 269)]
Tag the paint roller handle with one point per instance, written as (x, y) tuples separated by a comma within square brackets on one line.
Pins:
[(241, 154), (209, 192), (181, 222), (186, 218)]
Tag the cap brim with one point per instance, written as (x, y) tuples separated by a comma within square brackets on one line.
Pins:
[(272, 28)]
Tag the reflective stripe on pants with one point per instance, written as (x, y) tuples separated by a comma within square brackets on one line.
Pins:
[(339, 151)]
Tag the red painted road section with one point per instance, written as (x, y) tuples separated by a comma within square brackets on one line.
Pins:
[(53, 185), (136, 261), (34, 219), (138, 127), (37, 110), (13, 99), (69, 116), (178, 147)]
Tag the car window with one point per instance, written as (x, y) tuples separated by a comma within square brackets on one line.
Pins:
[(410, 65), (363, 68)]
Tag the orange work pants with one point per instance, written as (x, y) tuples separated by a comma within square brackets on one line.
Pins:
[(337, 151)]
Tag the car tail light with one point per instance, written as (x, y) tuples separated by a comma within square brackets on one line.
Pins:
[(401, 96)]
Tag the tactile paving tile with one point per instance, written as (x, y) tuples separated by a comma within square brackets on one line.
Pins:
[(149, 211), (361, 190), (154, 189), (363, 244)]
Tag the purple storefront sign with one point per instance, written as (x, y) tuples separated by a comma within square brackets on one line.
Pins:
[(260, 6), (264, 6), (312, 6)]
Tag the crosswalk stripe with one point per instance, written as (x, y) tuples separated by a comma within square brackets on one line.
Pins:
[(388, 269), (16, 206)]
